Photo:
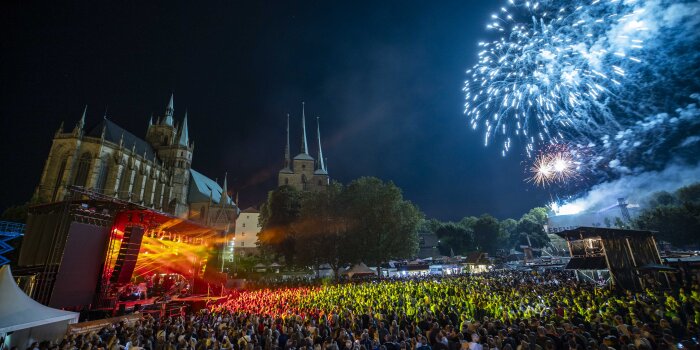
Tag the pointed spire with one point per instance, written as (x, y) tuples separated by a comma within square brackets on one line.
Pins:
[(237, 193), (150, 120), (169, 112), (184, 135), (304, 145), (224, 192), (81, 123), (321, 164), (60, 129), (287, 155)]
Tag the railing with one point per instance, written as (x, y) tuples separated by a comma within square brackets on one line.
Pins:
[(8, 231)]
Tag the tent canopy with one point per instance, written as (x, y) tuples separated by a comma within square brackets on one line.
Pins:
[(19, 311), (359, 270)]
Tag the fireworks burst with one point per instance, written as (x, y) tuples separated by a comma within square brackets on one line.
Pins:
[(549, 74), (558, 164)]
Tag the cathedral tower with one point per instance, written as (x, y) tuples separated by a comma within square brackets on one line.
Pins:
[(301, 173)]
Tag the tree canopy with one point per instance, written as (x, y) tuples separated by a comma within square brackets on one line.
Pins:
[(366, 221)]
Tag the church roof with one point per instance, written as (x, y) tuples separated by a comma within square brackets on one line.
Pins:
[(320, 172), (114, 132), (251, 210), (201, 187), (303, 156)]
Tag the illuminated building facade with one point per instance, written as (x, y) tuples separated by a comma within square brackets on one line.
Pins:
[(154, 172)]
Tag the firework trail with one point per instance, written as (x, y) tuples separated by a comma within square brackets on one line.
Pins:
[(551, 74)]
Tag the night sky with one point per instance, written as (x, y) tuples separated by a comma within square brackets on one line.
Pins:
[(384, 77)]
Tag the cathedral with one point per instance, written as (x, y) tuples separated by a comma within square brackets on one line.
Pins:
[(154, 172), (304, 172)]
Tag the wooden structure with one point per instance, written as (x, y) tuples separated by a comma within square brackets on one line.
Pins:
[(630, 256)]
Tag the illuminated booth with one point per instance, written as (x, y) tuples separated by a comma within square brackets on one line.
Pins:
[(82, 250), (630, 257)]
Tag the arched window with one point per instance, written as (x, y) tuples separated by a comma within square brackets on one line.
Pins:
[(286, 181), (202, 212), (102, 175), (59, 178), (81, 176), (124, 182)]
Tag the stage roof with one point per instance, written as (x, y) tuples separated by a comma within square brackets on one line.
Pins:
[(601, 232)]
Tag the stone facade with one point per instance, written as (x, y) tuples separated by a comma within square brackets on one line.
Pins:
[(247, 228), (304, 172), (155, 172)]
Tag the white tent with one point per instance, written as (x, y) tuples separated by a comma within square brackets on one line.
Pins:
[(23, 320), (359, 270)]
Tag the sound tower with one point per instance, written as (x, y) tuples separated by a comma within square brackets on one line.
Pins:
[(128, 254)]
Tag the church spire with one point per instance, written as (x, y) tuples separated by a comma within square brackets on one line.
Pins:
[(224, 192), (81, 123), (169, 112), (184, 135), (321, 164), (287, 155), (304, 145)]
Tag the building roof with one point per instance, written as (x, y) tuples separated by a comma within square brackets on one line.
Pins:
[(303, 156), (251, 210), (601, 232), (114, 132), (201, 187)]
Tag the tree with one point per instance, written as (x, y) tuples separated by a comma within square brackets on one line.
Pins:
[(322, 230), (689, 194), (537, 215), (676, 224), (532, 230), (381, 225), (16, 213), (454, 238), (487, 234), (661, 198), (509, 230), (283, 207)]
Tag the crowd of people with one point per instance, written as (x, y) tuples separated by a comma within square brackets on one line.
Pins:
[(505, 310)]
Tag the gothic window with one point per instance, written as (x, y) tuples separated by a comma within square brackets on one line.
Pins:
[(102, 175), (286, 181), (81, 176), (320, 183), (124, 182), (59, 177), (243, 233), (303, 166), (242, 244), (202, 211), (244, 224)]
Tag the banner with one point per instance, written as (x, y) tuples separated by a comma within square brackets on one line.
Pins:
[(96, 325)]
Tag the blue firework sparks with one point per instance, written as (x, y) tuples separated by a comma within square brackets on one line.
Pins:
[(549, 75)]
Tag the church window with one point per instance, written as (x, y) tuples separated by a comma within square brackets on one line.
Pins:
[(303, 166), (202, 211), (244, 224), (59, 177), (102, 176), (243, 233), (320, 183), (286, 181), (81, 176), (124, 182)]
